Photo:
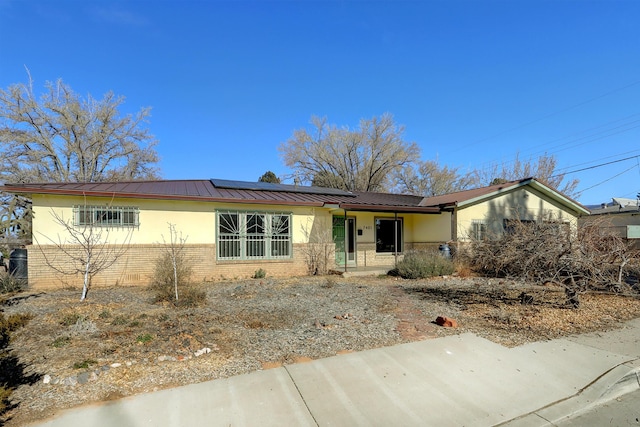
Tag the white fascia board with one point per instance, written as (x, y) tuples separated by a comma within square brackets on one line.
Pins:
[(558, 196), (492, 195), (534, 184)]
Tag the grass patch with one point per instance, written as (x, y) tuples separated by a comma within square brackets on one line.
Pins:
[(60, 342), (144, 338), (85, 364), (70, 319), (119, 320)]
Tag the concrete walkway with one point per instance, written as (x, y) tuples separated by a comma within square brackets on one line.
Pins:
[(459, 380)]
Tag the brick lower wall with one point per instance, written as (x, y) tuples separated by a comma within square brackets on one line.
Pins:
[(136, 264)]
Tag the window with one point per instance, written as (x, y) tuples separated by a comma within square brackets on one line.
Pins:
[(106, 216), (253, 235), (478, 229), (388, 235)]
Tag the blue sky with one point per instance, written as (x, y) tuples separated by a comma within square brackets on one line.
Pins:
[(474, 82)]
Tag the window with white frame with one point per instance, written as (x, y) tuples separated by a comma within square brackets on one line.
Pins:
[(106, 216), (253, 235), (478, 229), (389, 235)]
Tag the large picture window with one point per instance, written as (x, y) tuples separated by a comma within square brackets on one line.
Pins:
[(106, 216), (253, 235), (389, 235)]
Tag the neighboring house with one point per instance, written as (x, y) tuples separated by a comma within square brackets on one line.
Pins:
[(234, 228), (621, 216)]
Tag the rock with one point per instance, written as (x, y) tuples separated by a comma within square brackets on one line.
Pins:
[(202, 351), (116, 365), (83, 378), (46, 379), (446, 322), (72, 381)]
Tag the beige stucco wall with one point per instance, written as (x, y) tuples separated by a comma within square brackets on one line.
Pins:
[(524, 203), (196, 222)]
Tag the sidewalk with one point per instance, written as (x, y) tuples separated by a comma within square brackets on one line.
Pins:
[(453, 381)]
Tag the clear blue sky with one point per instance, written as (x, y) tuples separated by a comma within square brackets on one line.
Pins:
[(474, 82)]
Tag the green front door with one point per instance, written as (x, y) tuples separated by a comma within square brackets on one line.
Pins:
[(344, 237)]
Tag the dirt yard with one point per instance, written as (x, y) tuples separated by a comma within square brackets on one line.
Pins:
[(119, 343)]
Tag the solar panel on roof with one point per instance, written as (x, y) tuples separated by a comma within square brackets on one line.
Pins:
[(268, 186)]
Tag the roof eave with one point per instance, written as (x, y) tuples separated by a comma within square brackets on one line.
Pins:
[(389, 208)]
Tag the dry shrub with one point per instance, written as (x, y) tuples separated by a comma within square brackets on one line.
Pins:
[(9, 284), (319, 252), (547, 251), (163, 283), (463, 269), (422, 264)]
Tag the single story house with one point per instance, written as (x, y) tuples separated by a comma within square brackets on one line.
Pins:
[(621, 216), (234, 228)]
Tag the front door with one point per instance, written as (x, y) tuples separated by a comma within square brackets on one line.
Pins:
[(344, 236)]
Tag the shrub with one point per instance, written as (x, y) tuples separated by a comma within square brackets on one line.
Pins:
[(191, 296), (259, 274), (548, 251), (9, 283), (10, 324), (421, 264), (164, 280)]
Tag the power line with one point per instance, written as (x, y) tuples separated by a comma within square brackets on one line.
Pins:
[(596, 166), (553, 114), (609, 179)]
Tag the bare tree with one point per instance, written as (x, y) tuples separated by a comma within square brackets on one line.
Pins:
[(431, 179), (61, 137), (319, 252), (85, 248), (174, 251), (361, 159), (544, 169)]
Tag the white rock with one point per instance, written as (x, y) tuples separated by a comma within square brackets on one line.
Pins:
[(46, 379), (116, 365)]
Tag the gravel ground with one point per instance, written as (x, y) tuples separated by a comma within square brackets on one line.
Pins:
[(119, 343)]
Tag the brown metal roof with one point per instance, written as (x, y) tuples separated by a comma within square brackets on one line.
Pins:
[(453, 199), (206, 191)]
